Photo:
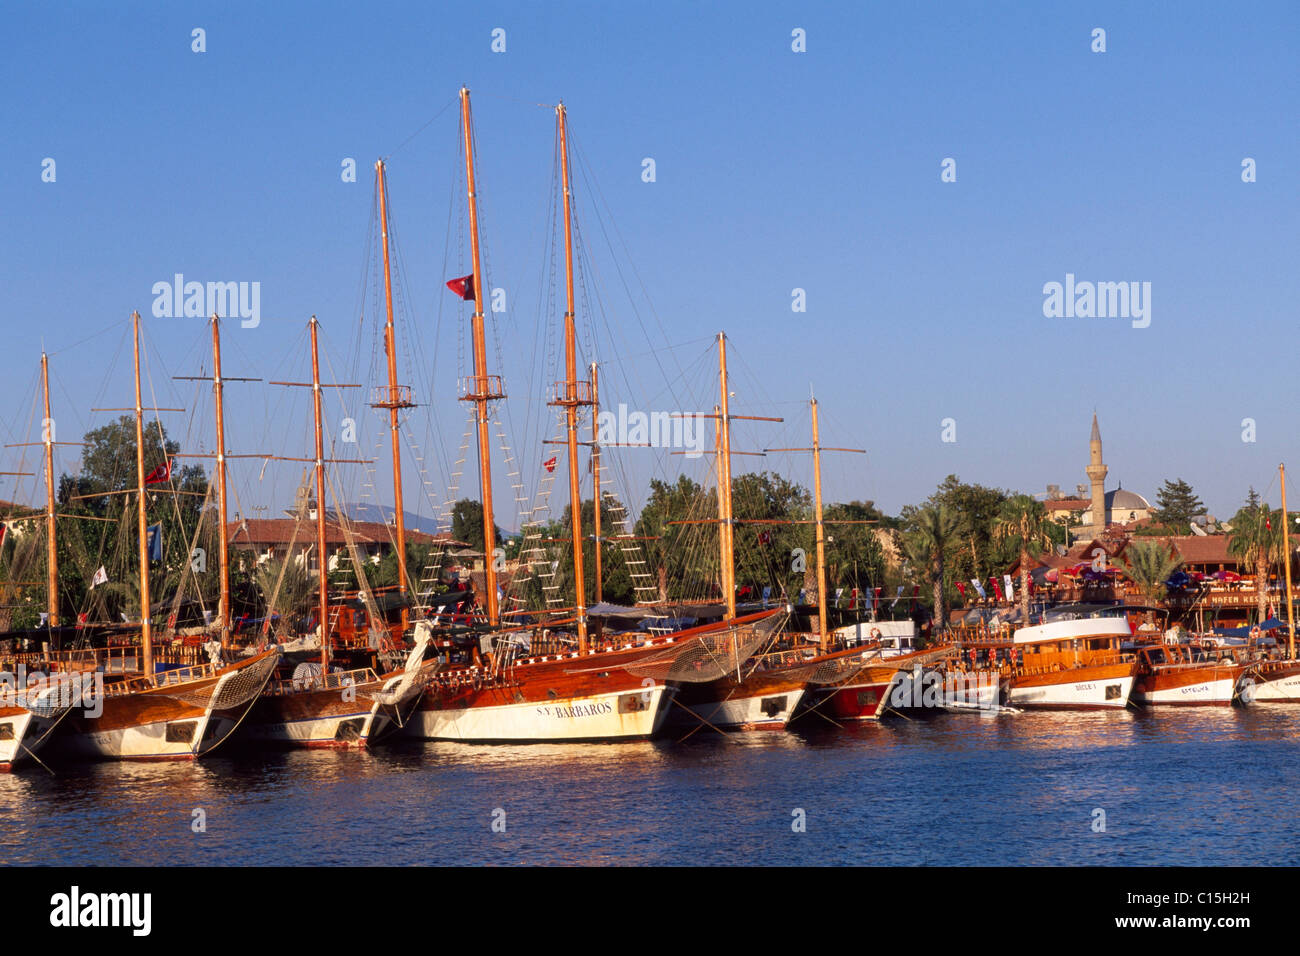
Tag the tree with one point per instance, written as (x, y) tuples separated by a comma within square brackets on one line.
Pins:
[(1149, 565), (1257, 539), (854, 555), (287, 586), (928, 538), (1022, 522), (467, 524), (1178, 505), (972, 552)]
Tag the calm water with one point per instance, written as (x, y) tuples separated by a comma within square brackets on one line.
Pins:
[(1193, 787)]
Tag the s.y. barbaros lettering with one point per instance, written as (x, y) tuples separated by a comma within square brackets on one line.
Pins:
[(77, 909), (577, 710)]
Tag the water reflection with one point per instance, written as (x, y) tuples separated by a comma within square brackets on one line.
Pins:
[(1177, 786)]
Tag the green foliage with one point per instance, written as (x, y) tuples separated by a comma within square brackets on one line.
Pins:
[(1177, 505), (467, 523), (1149, 564)]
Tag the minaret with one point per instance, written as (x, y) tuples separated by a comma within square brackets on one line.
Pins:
[(1097, 475)]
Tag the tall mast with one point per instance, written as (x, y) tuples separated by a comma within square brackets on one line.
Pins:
[(572, 399), (223, 554), (398, 397), (1286, 563), (823, 631), (484, 387), (595, 478), (323, 608), (52, 576), (821, 530), (146, 626), (723, 563), (724, 484)]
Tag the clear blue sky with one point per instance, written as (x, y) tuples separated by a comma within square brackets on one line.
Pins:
[(775, 170)]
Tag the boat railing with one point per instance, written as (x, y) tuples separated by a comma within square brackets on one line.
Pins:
[(338, 680)]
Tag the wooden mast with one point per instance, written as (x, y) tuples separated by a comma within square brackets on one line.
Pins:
[(823, 631), (223, 553), (146, 626), (595, 480), (321, 557), (571, 397), (724, 485), (52, 575), (397, 398), (1286, 563), (722, 507), (821, 531), (482, 389)]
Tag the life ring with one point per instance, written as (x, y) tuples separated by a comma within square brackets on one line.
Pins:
[(874, 633), (1256, 633)]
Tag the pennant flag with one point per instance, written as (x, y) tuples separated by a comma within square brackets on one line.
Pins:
[(765, 537), (155, 542), (767, 594), (549, 464), (997, 588), (875, 598), (897, 597), (463, 287), (3, 529), (162, 473), (979, 588), (101, 577), (1011, 592), (961, 589)]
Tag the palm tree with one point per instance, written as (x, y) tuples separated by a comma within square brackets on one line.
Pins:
[(1022, 522), (1255, 539), (1149, 565), (931, 532), (287, 586)]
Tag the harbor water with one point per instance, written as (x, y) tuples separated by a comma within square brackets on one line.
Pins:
[(1189, 786)]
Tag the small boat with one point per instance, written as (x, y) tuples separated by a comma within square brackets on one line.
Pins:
[(1073, 664), (1188, 675), (30, 716), (177, 714)]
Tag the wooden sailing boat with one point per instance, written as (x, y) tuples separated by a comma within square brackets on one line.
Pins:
[(29, 715), (1274, 679), (614, 688), (174, 714), (346, 708)]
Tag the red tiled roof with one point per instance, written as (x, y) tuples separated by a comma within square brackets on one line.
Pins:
[(1067, 504)]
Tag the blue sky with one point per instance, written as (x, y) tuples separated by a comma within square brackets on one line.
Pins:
[(775, 170)]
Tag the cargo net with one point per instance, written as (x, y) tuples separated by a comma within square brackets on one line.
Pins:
[(710, 655), (243, 685)]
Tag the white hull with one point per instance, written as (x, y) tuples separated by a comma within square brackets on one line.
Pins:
[(333, 731), (1110, 693), (596, 717), (977, 691), (1283, 690), (163, 740), (1219, 691), (22, 735), (760, 712)]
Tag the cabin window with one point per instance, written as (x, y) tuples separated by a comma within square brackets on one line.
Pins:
[(6, 731)]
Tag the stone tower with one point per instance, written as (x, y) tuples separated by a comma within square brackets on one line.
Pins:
[(1097, 475)]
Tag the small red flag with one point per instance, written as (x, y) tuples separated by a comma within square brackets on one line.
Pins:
[(463, 287), (549, 464), (162, 473)]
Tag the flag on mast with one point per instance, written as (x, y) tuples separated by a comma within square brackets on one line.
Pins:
[(162, 473), (101, 577), (463, 287)]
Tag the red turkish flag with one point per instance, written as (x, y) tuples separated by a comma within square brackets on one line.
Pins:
[(463, 287), (162, 473), (549, 464)]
